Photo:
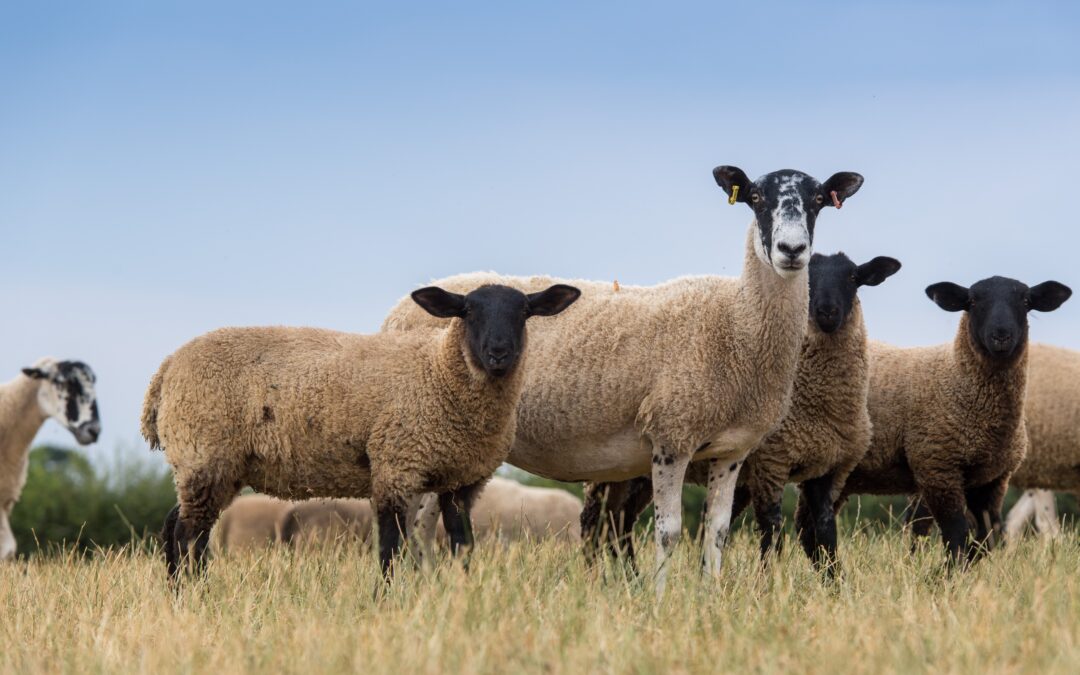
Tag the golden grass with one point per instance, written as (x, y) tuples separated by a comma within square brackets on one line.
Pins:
[(537, 608)]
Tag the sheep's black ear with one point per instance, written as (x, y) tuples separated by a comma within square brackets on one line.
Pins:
[(728, 177), (949, 296), (440, 303), (35, 373), (877, 270), (553, 300), (844, 183), (1048, 296)]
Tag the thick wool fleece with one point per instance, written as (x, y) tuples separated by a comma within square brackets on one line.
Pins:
[(250, 522), (698, 366), (945, 418), (20, 419), (302, 412), (1052, 412)]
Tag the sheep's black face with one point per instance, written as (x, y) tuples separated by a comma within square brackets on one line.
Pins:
[(834, 282), (786, 205), (495, 318), (997, 310), (68, 396)]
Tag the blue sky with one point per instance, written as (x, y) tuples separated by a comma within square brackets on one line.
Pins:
[(169, 168)]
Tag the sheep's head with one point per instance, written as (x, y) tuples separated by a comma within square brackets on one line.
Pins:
[(834, 281), (785, 205), (495, 318), (67, 395), (997, 310)]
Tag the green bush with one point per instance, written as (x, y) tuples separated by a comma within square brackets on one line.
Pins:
[(67, 500)]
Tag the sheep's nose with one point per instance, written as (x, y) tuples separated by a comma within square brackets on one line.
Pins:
[(791, 251), (92, 430), (498, 354), (828, 312)]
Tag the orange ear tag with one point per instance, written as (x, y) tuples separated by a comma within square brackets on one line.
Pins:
[(835, 200), (616, 285), (734, 194)]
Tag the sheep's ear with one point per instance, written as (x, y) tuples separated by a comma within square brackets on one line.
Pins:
[(35, 373), (730, 177), (877, 270), (949, 296), (553, 300), (440, 303), (1048, 296), (844, 184)]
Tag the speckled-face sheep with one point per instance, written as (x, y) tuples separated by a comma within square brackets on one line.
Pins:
[(250, 523), (948, 420), (301, 412), (822, 438), (635, 380), (62, 390)]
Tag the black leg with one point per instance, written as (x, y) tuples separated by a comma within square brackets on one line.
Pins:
[(639, 496), (918, 516), (767, 513), (456, 507), (948, 509), (598, 522), (391, 515), (168, 543), (984, 503)]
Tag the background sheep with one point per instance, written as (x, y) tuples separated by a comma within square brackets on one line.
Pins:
[(250, 522), (319, 522), (948, 420), (390, 416), (62, 390), (821, 439), (640, 379)]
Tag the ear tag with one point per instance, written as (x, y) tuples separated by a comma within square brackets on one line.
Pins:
[(835, 200), (616, 285), (734, 195)]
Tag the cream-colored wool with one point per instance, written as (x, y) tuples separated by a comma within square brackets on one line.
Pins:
[(511, 511), (322, 522), (945, 419), (250, 523), (303, 412), (694, 361), (20, 418), (1052, 411)]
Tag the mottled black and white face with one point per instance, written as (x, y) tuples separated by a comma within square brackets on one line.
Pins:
[(834, 282), (67, 395), (495, 318), (997, 310), (786, 205)]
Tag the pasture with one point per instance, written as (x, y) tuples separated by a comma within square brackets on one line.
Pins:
[(538, 608)]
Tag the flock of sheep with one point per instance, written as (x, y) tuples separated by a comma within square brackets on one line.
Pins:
[(740, 384)]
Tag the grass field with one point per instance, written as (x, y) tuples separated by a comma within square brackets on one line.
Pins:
[(538, 608)]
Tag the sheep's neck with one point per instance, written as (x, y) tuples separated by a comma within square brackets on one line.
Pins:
[(19, 406), (483, 403), (1003, 384), (844, 347)]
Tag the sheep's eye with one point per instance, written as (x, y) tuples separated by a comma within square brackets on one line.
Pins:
[(755, 197), (853, 279), (820, 199)]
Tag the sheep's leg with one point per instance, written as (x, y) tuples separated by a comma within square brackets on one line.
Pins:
[(947, 505), (168, 542), (984, 503), (816, 522), (456, 506), (425, 525), (1021, 512), (7, 538), (1046, 517), (202, 500), (918, 516), (391, 514), (668, 473), (767, 493), (599, 516), (639, 497), (723, 476)]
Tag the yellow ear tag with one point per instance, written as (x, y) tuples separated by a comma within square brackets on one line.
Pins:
[(734, 194)]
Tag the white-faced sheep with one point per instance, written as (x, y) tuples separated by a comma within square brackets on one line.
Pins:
[(301, 412), (640, 379), (822, 438), (250, 523), (948, 420), (62, 390)]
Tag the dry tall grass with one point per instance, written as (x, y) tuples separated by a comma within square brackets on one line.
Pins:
[(537, 608)]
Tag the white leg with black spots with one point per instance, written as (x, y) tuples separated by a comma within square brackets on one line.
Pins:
[(668, 473), (723, 475), (1046, 516), (7, 539), (424, 526)]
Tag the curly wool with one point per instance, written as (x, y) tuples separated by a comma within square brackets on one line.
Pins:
[(1052, 410)]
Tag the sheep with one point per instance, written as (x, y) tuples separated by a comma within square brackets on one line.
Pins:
[(644, 379), (303, 412), (322, 521), (823, 436), (62, 390), (250, 523), (509, 511), (948, 420)]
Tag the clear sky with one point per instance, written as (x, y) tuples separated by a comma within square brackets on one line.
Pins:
[(169, 168)]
